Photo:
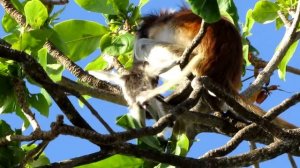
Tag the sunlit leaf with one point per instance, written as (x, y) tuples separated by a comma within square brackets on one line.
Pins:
[(36, 13), (8, 23), (55, 71), (100, 6), (182, 145), (248, 24), (116, 161), (265, 11), (289, 54), (81, 37), (98, 64)]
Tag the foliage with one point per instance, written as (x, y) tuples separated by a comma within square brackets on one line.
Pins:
[(79, 39)]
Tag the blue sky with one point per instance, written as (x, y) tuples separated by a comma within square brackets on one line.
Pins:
[(265, 38)]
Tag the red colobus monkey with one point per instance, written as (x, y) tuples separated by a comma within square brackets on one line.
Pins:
[(162, 38)]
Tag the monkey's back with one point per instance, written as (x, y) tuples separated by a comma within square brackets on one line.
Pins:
[(220, 48)]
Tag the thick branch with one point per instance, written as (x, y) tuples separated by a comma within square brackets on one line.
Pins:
[(82, 75)]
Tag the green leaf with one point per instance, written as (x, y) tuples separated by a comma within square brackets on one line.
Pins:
[(116, 161), (46, 96), (142, 3), (31, 40), (36, 13), (4, 129), (117, 45), (282, 65), (208, 10), (182, 145), (81, 37), (248, 24), (278, 23), (122, 5), (41, 161), (128, 122), (55, 71), (228, 6), (8, 23), (246, 52), (39, 102), (99, 6), (265, 11), (126, 60), (97, 64), (20, 114), (42, 57), (7, 97), (10, 154)]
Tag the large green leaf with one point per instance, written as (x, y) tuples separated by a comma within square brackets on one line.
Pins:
[(265, 11), (208, 10), (98, 64), (8, 23), (228, 6), (117, 45), (55, 71), (100, 6), (116, 161), (81, 37), (288, 55), (36, 13), (39, 102), (182, 145)]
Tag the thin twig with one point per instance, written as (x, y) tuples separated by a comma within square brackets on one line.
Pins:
[(253, 147), (95, 113), (284, 19), (32, 154), (259, 63), (283, 106), (78, 161), (188, 51), (292, 161)]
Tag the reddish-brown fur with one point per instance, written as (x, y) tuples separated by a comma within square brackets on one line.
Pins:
[(221, 46)]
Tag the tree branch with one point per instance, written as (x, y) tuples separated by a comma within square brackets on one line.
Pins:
[(19, 89), (37, 73), (65, 61), (287, 40)]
